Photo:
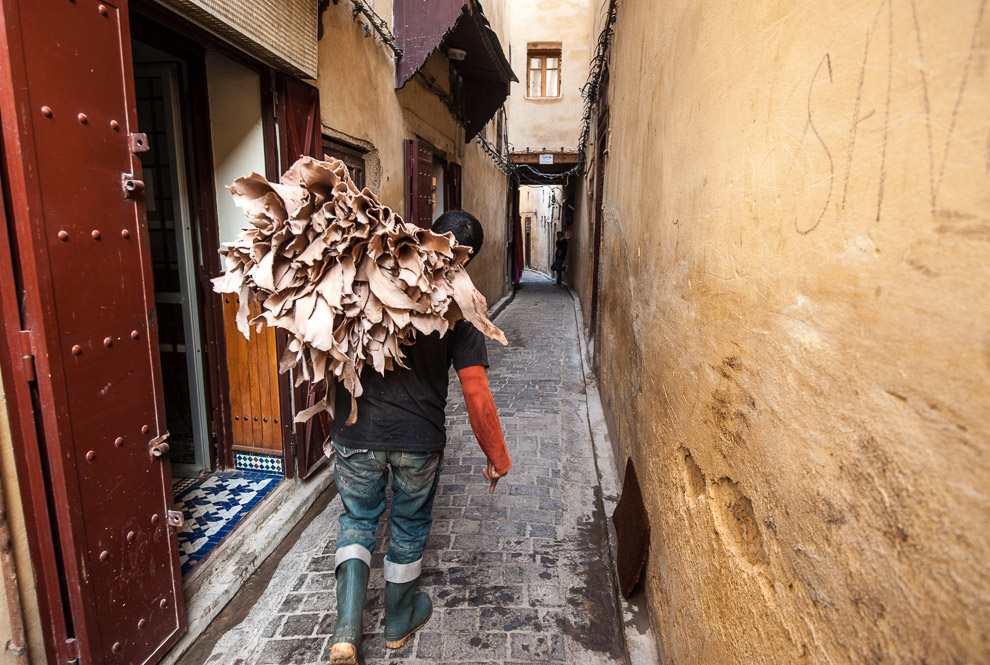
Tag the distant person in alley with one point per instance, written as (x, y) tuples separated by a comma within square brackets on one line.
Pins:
[(400, 424), (560, 258)]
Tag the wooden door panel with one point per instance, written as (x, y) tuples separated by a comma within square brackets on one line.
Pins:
[(254, 391), (94, 329), (301, 136), (419, 182)]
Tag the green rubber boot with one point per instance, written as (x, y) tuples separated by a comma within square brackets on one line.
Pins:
[(352, 585), (405, 612)]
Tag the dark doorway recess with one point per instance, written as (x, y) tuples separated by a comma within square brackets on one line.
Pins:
[(159, 83)]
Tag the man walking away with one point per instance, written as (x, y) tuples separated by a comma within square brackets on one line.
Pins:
[(560, 257), (400, 425)]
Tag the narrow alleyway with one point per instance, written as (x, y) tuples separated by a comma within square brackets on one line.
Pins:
[(517, 577)]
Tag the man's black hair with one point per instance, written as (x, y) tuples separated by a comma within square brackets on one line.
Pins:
[(465, 227)]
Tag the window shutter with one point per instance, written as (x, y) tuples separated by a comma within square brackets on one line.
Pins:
[(302, 117), (419, 182), (302, 136)]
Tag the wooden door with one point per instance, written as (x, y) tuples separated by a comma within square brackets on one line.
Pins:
[(254, 386), (452, 187), (419, 182), (78, 251), (301, 135)]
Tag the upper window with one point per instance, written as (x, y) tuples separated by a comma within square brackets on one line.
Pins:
[(543, 69)]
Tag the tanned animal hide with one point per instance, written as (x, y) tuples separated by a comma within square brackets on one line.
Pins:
[(347, 279)]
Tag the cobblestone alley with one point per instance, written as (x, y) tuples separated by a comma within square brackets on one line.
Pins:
[(520, 576)]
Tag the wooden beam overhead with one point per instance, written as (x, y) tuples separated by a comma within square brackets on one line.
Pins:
[(534, 157)]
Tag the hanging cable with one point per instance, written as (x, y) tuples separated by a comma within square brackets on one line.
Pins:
[(492, 151), (376, 23), (592, 88), (589, 92), (448, 100)]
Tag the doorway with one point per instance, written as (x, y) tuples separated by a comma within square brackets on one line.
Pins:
[(167, 202), (171, 81)]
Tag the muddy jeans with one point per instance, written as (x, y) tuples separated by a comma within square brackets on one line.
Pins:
[(361, 477)]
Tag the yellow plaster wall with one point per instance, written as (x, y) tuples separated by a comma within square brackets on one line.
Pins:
[(580, 250), (795, 335), (498, 12), (22, 557), (549, 123), (484, 195), (359, 102)]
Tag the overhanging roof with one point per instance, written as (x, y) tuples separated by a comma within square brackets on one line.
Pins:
[(422, 27)]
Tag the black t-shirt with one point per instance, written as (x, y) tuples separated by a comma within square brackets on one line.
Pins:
[(561, 252), (404, 410)]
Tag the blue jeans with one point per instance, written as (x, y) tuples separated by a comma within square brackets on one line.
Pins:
[(361, 477)]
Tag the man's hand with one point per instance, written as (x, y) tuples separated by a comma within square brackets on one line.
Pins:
[(492, 476)]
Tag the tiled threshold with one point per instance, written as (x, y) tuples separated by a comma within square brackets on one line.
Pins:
[(215, 580), (213, 506)]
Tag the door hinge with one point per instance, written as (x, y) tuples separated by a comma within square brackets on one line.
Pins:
[(27, 357), (131, 186), (71, 650)]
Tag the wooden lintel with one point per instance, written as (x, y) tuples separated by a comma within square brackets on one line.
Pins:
[(534, 157)]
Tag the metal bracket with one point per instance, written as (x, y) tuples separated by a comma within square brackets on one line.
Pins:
[(27, 357), (138, 142), (131, 186), (174, 518)]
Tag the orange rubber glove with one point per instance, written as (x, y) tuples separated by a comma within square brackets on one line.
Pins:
[(484, 417)]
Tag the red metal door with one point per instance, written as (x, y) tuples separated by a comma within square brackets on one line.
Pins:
[(81, 250)]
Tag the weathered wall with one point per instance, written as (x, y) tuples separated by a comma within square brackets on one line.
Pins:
[(22, 557), (484, 194), (580, 250), (536, 123), (794, 342), (497, 12), (357, 75)]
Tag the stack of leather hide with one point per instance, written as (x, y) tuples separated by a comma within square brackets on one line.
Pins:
[(347, 279)]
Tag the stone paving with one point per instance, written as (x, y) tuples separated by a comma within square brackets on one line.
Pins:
[(521, 576)]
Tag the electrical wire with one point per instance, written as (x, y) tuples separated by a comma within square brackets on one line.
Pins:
[(591, 89), (589, 92), (376, 23), (492, 151)]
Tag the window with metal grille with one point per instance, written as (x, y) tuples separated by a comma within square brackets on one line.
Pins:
[(543, 69)]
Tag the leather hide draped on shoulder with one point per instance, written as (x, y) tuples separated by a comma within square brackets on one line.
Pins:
[(347, 279)]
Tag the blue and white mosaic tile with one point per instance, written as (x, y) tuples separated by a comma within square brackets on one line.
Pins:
[(266, 463), (180, 485), (213, 505)]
